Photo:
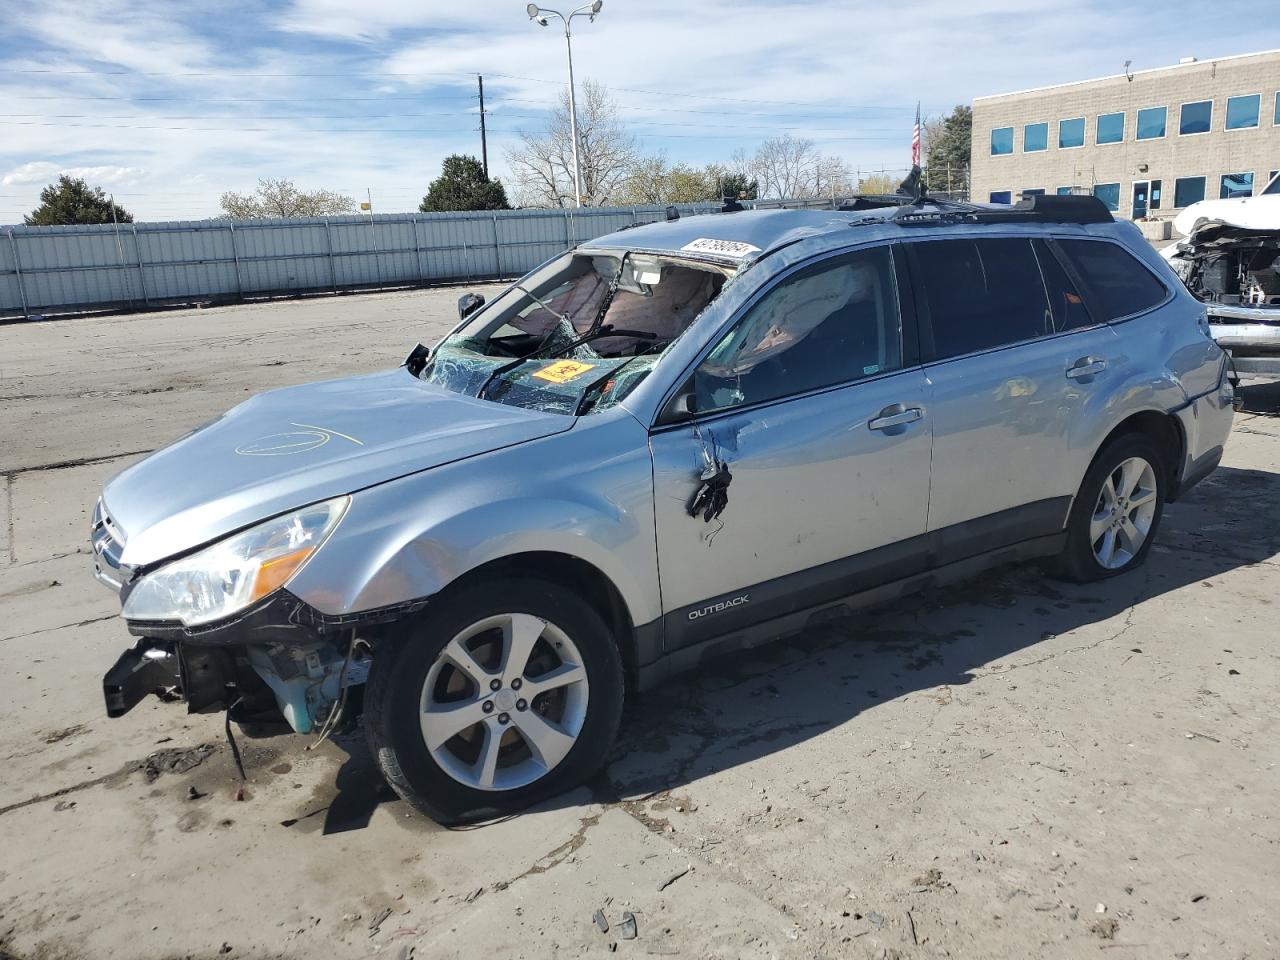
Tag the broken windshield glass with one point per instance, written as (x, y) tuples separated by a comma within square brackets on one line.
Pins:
[(576, 335)]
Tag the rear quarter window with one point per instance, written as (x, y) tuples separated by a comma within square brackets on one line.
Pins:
[(1116, 282)]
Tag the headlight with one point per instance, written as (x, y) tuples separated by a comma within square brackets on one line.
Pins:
[(237, 572)]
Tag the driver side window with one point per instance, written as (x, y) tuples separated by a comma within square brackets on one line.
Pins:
[(833, 322)]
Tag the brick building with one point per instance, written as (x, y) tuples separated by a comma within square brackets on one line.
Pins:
[(1147, 143)]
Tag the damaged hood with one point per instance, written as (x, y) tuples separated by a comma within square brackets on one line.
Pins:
[(288, 448), (1202, 221)]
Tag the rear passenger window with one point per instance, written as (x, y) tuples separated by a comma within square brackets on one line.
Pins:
[(981, 293), (1065, 302), (1116, 283)]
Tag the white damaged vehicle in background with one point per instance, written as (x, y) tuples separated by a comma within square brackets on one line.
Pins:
[(1230, 260)]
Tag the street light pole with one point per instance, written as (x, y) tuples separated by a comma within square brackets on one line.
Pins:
[(590, 11)]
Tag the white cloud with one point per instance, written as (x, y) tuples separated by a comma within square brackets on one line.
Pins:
[(201, 87), (43, 171)]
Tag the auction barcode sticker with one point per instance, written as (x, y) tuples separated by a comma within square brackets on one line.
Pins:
[(723, 248)]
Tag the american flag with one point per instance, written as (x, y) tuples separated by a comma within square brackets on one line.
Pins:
[(915, 139)]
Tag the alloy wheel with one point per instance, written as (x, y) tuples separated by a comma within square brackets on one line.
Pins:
[(1124, 513), (504, 702)]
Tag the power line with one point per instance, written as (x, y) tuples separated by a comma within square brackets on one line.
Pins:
[(387, 116), (385, 74), (383, 130)]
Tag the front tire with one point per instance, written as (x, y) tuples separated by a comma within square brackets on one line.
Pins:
[(499, 695), (1114, 518)]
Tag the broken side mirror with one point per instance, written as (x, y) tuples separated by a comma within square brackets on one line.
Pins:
[(468, 304)]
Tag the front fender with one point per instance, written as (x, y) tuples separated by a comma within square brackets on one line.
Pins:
[(586, 493)]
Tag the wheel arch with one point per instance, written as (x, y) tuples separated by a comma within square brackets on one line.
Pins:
[(586, 579), (1166, 430)]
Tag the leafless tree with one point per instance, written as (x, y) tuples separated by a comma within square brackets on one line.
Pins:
[(784, 166), (280, 198), (789, 167), (543, 163)]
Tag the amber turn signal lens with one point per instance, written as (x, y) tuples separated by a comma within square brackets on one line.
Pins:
[(274, 574)]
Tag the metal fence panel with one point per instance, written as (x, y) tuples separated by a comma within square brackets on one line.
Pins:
[(68, 268)]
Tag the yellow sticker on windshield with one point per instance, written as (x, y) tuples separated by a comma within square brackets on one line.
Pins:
[(562, 371)]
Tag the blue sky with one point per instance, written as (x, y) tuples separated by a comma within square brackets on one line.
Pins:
[(168, 104)]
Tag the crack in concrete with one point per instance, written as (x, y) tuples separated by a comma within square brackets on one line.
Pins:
[(65, 626), (110, 778), (8, 510), (67, 464), (1128, 624)]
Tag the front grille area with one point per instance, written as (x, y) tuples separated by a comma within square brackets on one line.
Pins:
[(108, 547)]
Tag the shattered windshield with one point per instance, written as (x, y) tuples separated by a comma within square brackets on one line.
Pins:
[(578, 334)]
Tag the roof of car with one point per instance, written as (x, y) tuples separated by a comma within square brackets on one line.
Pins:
[(761, 230), (747, 235)]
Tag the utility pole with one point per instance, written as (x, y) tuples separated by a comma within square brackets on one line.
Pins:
[(484, 142)]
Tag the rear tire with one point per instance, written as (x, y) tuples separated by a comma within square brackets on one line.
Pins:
[(1116, 514), (528, 674)]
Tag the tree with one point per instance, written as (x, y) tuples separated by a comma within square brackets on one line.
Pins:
[(738, 186), (879, 184), (71, 201), (543, 163), (786, 167), (653, 180), (948, 141), (463, 185), (280, 198)]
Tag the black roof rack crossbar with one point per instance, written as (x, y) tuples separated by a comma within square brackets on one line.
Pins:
[(1037, 208)]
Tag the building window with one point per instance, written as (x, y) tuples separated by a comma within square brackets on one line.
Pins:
[(1242, 112), (1278, 108), (1035, 137), (1001, 196), (1273, 185), (1236, 185), (1001, 141), (1151, 122), (1070, 133), (1196, 118), (1064, 191), (1033, 192), (1108, 193), (1157, 187), (1188, 190), (1110, 128)]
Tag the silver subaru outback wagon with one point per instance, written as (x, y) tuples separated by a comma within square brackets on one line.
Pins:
[(671, 443)]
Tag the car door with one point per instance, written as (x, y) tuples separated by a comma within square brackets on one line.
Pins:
[(1012, 354), (814, 402)]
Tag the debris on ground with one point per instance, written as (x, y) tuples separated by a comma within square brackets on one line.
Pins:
[(175, 760), (627, 928), (673, 878), (194, 794), (875, 919), (602, 924), (1106, 929), (378, 919)]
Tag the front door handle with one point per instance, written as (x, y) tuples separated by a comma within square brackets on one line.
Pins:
[(1086, 367), (895, 415)]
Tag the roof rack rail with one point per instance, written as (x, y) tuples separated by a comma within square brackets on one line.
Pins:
[(1038, 208)]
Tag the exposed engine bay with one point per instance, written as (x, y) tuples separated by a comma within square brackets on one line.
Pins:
[(1231, 265)]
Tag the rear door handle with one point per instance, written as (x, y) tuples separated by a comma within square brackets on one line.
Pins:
[(895, 415), (1086, 367)]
